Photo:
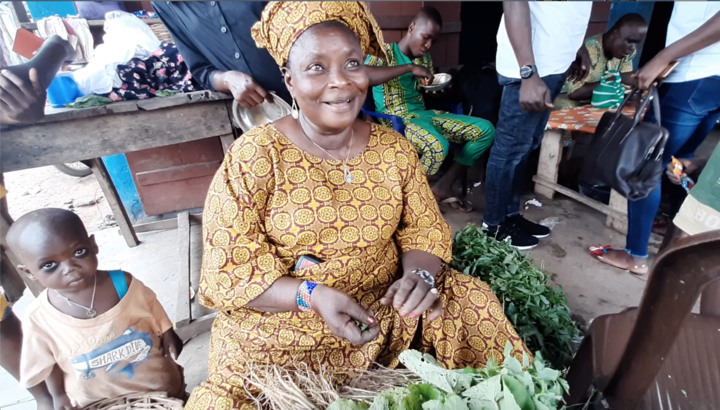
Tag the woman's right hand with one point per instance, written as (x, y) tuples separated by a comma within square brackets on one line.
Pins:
[(340, 312)]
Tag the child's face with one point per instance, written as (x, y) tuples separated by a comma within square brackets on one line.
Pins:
[(61, 262)]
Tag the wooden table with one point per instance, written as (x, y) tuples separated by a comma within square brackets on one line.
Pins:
[(560, 124), (70, 135)]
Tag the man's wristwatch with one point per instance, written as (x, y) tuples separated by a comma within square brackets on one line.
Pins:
[(527, 71)]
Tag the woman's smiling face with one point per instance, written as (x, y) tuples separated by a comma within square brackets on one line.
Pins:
[(326, 75)]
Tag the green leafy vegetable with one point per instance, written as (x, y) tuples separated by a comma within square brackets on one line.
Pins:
[(539, 312), (509, 386), (89, 101), (165, 93), (344, 404)]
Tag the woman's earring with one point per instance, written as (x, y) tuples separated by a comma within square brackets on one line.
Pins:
[(294, 112)]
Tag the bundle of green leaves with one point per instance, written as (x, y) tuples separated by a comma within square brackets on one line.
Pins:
[(538, 311), (509, 386)]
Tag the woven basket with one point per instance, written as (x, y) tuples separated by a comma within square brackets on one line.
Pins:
[(140, 401), (161, 32)]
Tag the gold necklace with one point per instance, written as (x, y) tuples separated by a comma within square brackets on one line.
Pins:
[(346, 173)]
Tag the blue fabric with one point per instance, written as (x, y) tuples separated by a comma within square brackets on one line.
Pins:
[(118, 280), (216, 36), (689, 111), (517, 134)]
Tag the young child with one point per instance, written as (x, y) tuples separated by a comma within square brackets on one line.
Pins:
[(91, 335)]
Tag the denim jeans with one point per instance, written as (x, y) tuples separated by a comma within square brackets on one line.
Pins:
[(688, 111), (517, 134)]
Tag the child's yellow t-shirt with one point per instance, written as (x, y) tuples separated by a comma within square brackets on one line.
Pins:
[(116, 353)]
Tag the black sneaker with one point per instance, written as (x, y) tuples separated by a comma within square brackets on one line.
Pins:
[(512, 234), (530, 228)]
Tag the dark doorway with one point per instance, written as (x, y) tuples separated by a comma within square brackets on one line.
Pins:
[(480, 22)]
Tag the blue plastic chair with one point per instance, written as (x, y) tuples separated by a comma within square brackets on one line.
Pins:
[(397, 122)]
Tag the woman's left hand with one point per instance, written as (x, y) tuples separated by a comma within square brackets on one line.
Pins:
[(412, 297)]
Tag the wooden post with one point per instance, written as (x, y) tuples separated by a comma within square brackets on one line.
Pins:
[(227, 141), (183, 314), (113, 198), (11, 280), (550, 155), (619, 203)]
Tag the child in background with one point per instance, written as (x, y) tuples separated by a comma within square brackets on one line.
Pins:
[(91, 335)]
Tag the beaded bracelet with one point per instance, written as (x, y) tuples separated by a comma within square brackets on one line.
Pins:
[(303, 296)]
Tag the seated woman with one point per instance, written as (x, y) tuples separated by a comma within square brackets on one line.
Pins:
[(613, 50), (349, 193)]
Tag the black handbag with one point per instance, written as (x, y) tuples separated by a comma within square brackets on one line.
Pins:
[(626, 153)]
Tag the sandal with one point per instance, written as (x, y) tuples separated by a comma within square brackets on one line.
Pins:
[(455, 200), (600, 250)]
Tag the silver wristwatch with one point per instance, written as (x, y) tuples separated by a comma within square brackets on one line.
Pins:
[(427, 277), (527, 71)]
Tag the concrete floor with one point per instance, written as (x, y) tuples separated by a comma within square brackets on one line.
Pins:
[(592, 288)]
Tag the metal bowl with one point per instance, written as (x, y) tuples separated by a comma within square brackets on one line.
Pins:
[(247, 119), (439, 82)]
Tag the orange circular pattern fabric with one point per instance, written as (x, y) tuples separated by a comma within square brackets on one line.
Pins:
[(252, 238), (283, 22)]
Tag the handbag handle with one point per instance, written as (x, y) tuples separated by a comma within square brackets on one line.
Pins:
[(652, 96)]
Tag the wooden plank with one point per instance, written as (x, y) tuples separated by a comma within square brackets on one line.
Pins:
[(226, 141), (68, 114), (178, 173), (113, 198), (619, 203), (196, 327), (19, 12), (91, 23), (598, 206), (182, 315), (65, 114), (549, 163), (70, 141), (165, 224), (181, 99)]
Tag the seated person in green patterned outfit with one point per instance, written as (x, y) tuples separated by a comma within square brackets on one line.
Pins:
[(429, 131), (613, 50)]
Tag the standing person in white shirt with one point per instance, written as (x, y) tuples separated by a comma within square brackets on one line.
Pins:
[(689, 108), (538, 44)]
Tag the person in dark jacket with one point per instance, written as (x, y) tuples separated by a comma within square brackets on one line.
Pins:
[(214, 40)]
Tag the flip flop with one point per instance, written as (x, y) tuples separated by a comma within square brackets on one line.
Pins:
[(453, 200), (599, 250)]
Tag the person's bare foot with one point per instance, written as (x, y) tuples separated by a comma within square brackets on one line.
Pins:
[(433, 178), (623, 260), (444, 196)]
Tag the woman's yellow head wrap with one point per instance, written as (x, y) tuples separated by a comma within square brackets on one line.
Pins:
[(283, 22)]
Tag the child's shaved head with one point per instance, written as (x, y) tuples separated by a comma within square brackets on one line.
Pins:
[(36, 227), (53, 247)]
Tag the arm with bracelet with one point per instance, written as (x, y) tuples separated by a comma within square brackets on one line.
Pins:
[(426, 247), (241, 268)]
